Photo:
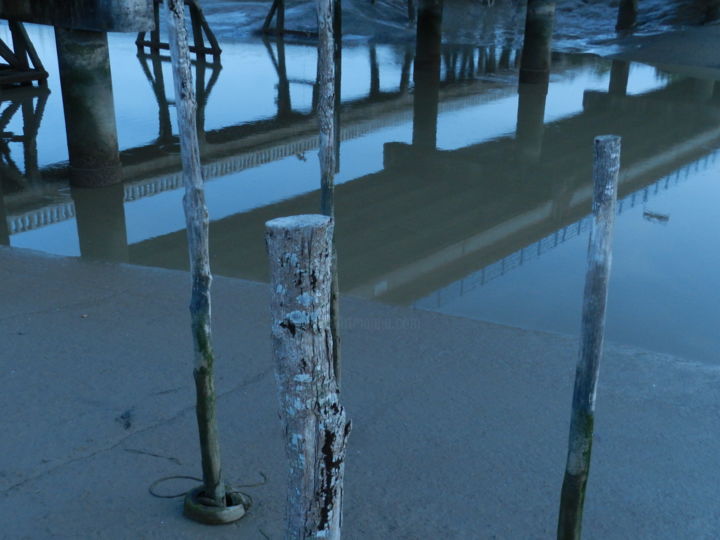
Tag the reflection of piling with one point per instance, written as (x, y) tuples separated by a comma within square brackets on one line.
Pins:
[(427, 73), (627, 14), (619, 76), (606, 167), (84, 64), (535, 63), (531, 119), (4, 229), (100, 218), (315, 424)]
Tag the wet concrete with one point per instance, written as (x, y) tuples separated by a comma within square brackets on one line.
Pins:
[(459, 426)]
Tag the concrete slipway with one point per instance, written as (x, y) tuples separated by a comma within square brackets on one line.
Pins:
[(459, 426)]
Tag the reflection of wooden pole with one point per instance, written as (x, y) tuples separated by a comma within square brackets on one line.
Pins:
[(315, 424), (619, 76), (4, 229), (427, 73), (627, 14), (531, 119), (535, 63), (100, 219), (327, 116), (606, 167), (197, 220)]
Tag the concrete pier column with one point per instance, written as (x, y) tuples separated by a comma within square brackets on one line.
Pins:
[(84, 63), (535, 62), (100, 218), (427, 73)]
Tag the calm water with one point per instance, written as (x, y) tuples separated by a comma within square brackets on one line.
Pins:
[(484, 216)]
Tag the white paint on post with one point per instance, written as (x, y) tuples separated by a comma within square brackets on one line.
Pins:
[(197, 221), (315, 425), (606, 168)]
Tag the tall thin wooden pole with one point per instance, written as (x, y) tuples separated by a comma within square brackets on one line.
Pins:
[(315, 424), (196, 216), (606, 168), (326, 74)]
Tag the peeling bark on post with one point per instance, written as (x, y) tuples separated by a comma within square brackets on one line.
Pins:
[(315, 424), (606, 168), (196, 216), (327, 117)]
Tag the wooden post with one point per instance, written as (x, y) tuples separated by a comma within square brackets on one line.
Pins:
[(315, 424), (196, 216), (327, 117), (426, 74), (606, 167)]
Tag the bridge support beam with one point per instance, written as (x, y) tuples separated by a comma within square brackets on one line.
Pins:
[(84, 63)]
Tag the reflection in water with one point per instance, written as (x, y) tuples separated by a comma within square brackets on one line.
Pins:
[(100, 219), (31, 102), (502, 174), (202, 92), (427, 73)]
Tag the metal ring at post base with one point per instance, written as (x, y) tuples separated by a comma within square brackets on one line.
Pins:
[(213, 515)]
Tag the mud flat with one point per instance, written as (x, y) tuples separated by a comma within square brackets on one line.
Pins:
[(692, 51), (459, 426)]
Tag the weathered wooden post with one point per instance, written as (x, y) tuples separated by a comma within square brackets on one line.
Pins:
[(315, 424), (209, 503), (327, 73), (606, 168)]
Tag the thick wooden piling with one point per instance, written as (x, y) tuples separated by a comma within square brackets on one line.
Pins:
[(536, 51), (199, 505), (315, 425), (606, 168)]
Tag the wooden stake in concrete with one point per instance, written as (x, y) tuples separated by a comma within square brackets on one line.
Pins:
[(606, 168), (208, 504), (315, 424), (328, 119)]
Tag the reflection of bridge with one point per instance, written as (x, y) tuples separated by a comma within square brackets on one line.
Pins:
[(431, 218), (532, 252), (155, 168)]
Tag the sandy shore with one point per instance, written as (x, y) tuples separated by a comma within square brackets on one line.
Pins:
[(459, 426)]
